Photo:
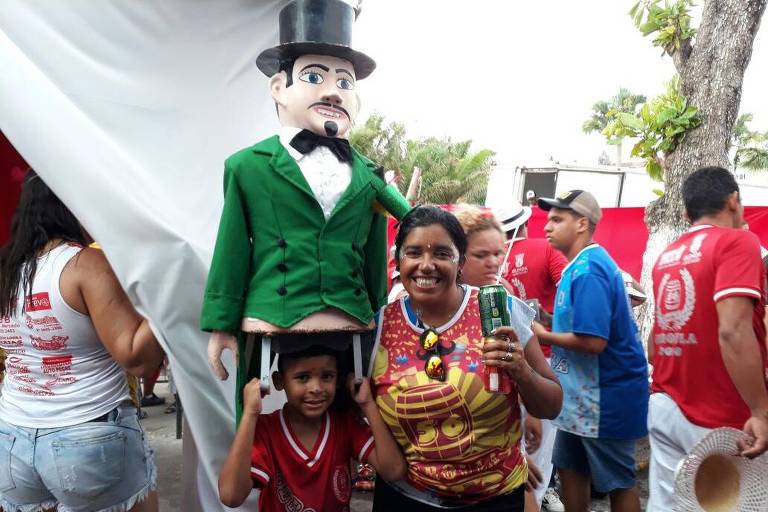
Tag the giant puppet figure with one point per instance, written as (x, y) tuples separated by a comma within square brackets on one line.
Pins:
[(301, 245)]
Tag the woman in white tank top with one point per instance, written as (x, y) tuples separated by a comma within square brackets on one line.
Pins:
[(68, 433)]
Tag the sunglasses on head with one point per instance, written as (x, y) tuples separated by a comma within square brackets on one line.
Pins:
[(434, 366)]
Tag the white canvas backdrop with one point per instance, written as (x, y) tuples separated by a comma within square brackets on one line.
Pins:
[(128, 109)]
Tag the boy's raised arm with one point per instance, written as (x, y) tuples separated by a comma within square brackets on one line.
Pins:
[(235, 483), (386, 457)]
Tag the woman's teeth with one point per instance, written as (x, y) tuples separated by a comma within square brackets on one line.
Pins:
[(426, 281)]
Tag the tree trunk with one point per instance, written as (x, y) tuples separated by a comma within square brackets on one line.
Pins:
[(711, 77)]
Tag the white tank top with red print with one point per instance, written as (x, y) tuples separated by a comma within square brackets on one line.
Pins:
[(58, 372)]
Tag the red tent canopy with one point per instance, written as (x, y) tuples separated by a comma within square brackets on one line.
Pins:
[(623, 233)]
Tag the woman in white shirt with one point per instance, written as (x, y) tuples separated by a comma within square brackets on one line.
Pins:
[(69, 435)]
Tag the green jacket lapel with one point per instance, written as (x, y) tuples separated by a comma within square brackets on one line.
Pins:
[(361, 177), (283, 164)]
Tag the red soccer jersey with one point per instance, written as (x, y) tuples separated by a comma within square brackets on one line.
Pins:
[(295, 479), (705, 265), (534, 269)]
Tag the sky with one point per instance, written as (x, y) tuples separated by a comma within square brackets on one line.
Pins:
[(518, 78)]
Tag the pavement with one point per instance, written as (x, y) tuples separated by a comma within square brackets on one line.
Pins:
[(161, 432)]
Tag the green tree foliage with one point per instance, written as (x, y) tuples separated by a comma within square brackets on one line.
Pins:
[(671, 23), (660, 125), (624, 101), (450, 171), (603, 113), (750, 147)]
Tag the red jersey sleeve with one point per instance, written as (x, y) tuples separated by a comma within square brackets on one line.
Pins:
[(261, 457), (556, 262), (360, 435), (738, 268)]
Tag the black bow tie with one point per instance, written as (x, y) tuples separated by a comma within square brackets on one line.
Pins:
[(305, 141)]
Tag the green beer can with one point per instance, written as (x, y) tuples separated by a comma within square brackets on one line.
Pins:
[(492, 300)]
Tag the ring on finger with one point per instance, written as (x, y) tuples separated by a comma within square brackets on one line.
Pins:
[(510, 346), (507, 356)]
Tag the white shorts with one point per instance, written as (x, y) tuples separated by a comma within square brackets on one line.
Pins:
[(672, 437)]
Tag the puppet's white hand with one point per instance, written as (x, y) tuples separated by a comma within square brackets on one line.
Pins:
[(219, 341)]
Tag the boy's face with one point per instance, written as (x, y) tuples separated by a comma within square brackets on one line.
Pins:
[(309, 384), (563, 228)]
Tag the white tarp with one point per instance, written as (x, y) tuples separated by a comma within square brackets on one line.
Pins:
[(128, 109)]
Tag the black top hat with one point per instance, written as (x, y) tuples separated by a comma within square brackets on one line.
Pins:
[(320, 27)]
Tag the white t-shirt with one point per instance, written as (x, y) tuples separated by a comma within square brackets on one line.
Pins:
[(57, 371)]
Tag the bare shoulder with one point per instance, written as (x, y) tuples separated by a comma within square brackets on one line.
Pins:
[(90, 265), (90, 259)]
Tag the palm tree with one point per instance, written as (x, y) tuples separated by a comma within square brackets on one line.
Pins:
[(603, 112), (450, 171), (751, 147)]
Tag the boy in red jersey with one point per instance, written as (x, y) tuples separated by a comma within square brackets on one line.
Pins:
[(707, 345), (299, 456)]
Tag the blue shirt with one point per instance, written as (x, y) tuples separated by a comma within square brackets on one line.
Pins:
[(604, 395)]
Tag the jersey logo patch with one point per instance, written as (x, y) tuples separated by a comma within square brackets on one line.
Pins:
[(675, 301), (342, 488), (37, 302)]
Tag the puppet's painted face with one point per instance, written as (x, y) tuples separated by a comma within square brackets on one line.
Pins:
[(322, 93)]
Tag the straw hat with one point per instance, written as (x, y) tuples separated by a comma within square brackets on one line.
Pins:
[(512, 215), (712, 478)]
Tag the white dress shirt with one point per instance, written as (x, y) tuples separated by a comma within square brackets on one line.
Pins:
[(327, 176)]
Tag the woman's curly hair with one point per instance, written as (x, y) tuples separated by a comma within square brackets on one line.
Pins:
[(474, 219)]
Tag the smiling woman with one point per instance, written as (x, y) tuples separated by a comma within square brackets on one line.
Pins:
[(461, 442)]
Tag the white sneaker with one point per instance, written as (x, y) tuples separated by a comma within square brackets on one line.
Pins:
[(551, 501)]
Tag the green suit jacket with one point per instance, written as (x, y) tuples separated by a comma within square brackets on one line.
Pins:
[(278, 259)]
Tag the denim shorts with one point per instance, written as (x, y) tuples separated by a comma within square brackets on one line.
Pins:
[(96, 466), (610, 462)]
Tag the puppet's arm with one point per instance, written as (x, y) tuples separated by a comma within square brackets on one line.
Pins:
[(228, 277), (390, 198)]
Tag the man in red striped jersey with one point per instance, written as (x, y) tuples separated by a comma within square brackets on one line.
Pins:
[(707, 345)]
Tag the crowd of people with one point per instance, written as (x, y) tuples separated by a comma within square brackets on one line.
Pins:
[(577, 395)]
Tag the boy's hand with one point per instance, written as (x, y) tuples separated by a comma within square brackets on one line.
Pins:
[(252, 398), (362, 395)]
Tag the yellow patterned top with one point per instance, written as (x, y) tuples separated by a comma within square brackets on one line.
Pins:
[(461, 441)]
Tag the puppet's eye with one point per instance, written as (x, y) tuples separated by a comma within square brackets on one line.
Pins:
[(311, 77), (345, 84)]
